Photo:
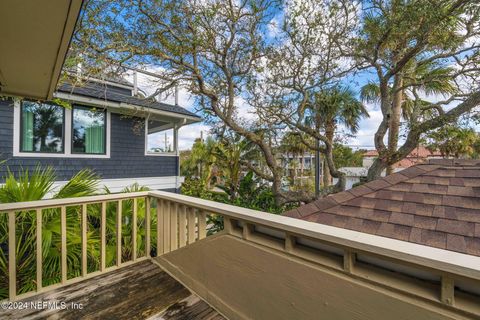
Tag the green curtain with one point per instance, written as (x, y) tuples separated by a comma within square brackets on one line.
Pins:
[(95, 139), (27, 130)]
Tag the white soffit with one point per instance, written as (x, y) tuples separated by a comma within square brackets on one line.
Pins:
[(34, 39)]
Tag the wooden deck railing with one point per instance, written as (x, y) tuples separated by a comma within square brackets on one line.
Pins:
[(190, 227), (171, 221)]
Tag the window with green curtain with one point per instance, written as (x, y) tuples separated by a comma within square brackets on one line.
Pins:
[(88, 131), (41, 127)]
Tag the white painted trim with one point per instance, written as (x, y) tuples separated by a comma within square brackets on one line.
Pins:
[(121, 105), (67, 152), (117, 185)]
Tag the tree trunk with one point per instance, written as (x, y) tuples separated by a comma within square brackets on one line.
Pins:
[(329, 134), (395, 115), (375, 171), (326, 174)]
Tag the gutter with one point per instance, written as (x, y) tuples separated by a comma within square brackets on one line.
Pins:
[(122, 105)]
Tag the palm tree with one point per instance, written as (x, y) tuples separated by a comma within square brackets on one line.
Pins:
[(334, 106), (230, 153), (293, 145), (201, 160), (428, 79)]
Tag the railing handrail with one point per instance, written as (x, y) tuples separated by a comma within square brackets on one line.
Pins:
[(52, 203), (434, 258), (443, 260)]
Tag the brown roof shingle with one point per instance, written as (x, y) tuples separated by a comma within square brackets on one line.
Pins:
[(435, 204)]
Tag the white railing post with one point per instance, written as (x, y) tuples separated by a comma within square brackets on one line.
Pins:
[(173, 226), (103, 228), (202, 224), (63, 228), (12, 260), (227, 225), (84, 240), (160, 227), (119, 233), (166, 226), (191, 225), (134, 229), (147, 226), (182, 226), (39, 249)]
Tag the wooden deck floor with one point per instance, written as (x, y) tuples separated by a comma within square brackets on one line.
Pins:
[(139, 291)]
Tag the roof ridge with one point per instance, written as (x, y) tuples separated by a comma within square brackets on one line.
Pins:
[(336, 199)]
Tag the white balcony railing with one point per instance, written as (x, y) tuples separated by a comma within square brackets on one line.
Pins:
[(443, 277)]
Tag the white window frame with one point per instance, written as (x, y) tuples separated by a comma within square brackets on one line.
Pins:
[(175, 152), (67, 152)]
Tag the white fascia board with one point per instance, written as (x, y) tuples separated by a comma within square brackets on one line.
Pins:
[(121, 105)]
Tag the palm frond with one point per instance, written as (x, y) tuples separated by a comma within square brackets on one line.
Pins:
[(28, 186), (84, 183)]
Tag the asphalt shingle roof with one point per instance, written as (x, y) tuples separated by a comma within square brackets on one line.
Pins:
[(100, 91), (435, 204)]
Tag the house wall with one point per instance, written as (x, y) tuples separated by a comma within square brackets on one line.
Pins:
[(127, 153)]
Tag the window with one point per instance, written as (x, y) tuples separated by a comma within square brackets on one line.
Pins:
[(41, 127), (161, 137), (88, 131)]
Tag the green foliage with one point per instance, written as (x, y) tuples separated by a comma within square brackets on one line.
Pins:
[(454, 141), (344, 156), (36, 185)]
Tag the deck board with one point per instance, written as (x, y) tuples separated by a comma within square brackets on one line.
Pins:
[(139, 291)]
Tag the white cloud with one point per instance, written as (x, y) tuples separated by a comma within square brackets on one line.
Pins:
[(188, 134)]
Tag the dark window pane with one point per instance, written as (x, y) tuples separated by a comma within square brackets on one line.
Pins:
[(41, 127), (88, 131)]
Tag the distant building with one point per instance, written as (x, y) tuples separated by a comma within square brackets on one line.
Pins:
[(355, 174), (418, 155)]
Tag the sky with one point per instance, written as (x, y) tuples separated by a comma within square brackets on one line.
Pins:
[(187, 134), (363, 138)]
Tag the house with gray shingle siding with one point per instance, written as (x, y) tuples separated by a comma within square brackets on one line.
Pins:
[(97, 124)]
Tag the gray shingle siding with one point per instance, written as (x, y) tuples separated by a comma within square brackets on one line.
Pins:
[(127, 153)]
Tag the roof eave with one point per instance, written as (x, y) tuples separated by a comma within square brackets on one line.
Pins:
[(187, 119), (35, 73)]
